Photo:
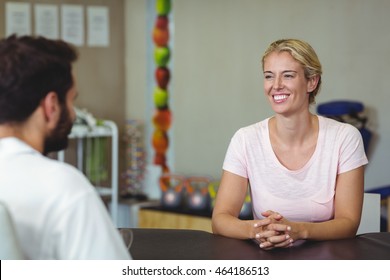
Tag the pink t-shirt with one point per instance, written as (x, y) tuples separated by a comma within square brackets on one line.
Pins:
[(306, 194)]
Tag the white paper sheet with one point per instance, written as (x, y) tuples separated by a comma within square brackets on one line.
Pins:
[(17, 18), (46, 21), (98, 26), (72, 24)]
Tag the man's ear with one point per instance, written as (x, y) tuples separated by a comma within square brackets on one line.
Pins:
[(312, 83), (51, 108)]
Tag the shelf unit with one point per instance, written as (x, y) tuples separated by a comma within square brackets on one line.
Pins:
[(107, 129)]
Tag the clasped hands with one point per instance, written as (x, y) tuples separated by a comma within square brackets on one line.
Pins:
[(272, 231)]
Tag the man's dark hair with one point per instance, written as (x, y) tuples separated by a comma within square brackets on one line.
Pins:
[(30, 68)]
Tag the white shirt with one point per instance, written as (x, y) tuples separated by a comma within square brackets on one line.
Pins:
[(56, 211), (306, 194)]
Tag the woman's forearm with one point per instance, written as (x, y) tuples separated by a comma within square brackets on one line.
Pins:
[(330, 230), (230, 226)]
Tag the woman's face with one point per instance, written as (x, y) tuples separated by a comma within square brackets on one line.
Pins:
[(285, 84)]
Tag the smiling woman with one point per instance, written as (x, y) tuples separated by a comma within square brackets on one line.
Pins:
[(285, 79), (301, 54), (305, 171)]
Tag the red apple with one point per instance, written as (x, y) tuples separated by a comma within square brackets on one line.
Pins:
[(160, 36), (159, 159), (162, 22), (162, 119), (162, 75)]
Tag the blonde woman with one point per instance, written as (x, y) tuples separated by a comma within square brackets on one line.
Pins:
[(306, 172)]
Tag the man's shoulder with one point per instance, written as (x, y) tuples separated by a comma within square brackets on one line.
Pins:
[(53, 174), (65, 174)]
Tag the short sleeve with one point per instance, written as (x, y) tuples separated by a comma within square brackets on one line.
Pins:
[(235, 156), (352, 154)]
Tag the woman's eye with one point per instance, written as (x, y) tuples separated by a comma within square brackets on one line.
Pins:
[(288, 76)]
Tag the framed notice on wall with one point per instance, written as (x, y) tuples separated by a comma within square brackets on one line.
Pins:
[(46, 21), (98, 26), (17, 18), (72, 23)]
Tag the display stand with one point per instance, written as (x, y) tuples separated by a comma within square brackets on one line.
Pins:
[(107, 129)]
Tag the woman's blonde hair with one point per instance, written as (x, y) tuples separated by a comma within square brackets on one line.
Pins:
[(302, 52)]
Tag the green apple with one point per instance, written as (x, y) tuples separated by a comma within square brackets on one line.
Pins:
[(163, 7), (160, 97), (161, 56)]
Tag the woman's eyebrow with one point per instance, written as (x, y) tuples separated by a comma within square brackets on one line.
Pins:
[(285, 71)]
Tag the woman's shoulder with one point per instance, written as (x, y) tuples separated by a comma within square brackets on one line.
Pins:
[(338, 128), (251, 133), (254, 128), (332, 123)]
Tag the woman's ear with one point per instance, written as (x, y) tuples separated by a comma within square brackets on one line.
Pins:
[(51, 108), (312, 83)]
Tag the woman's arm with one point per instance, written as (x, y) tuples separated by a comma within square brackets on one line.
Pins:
[(348, 209), (230, 198)]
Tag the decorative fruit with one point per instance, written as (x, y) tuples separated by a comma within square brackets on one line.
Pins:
[(160, 97), (161, 56), (159, 159), (160, 141), (162, 119), (163, 7), (162, 75), (162, 22), (160, 36)]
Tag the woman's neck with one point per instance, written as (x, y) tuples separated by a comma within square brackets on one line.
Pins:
[(294, 131)]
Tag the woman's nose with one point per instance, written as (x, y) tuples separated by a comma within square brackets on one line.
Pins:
[(278, 83)]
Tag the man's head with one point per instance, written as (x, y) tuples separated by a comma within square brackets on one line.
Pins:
[(57, 139), (30, 69)]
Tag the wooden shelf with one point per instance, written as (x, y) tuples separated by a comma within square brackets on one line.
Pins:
[(150, 218)]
